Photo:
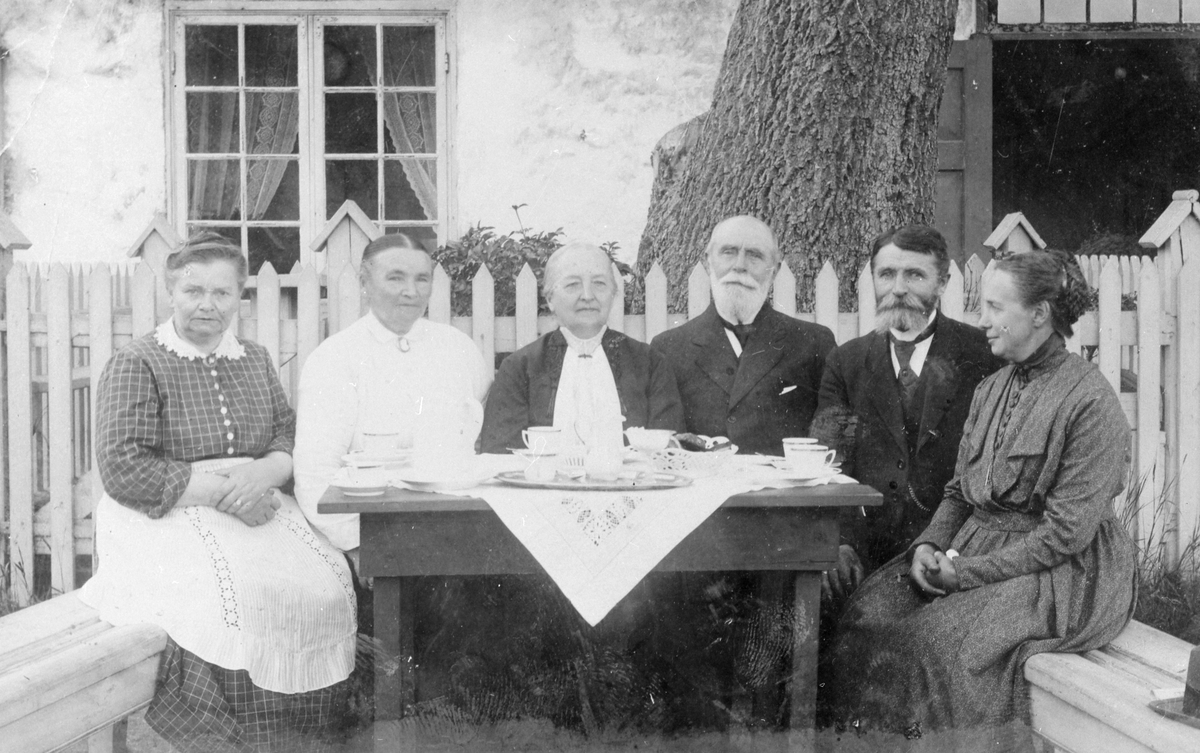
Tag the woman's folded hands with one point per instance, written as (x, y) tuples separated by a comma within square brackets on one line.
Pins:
[(932, 571)]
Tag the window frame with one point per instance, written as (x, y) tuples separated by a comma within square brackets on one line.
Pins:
[(310, 17)]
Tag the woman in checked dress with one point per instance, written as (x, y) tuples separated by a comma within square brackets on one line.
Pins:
[(193, 533)]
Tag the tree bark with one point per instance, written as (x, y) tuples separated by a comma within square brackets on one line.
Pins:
[(823, 125)]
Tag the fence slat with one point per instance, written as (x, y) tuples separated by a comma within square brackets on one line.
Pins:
[(825, 298), (20, 434), (1152, 518), (527, 306), (348, 303), (483, 314), (698, 291), (866, 300), (142, 300), (308, 314), (616, 315), (785, 291), (58, 336), (1188, 337), (439, 298), (656, 301), (267, 311), (100, 346), (1110, 323), (952, 299)]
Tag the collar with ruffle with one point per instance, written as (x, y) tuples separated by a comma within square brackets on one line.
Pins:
[(581, 346), (229, 347)]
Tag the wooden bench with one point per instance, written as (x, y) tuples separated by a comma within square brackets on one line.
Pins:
[(1098, 702), (66, 675)]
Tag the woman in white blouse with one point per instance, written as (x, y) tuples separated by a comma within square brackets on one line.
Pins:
[(369, 376)]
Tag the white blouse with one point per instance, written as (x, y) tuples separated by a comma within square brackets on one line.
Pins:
[(362, 380)]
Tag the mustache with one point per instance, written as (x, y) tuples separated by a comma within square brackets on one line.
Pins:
[(907, 302), (734, 278)]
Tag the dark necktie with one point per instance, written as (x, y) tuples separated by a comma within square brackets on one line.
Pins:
[(906, 376), (741, 331)]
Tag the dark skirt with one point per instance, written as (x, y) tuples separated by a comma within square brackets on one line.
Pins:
[(201, 708), (911, 665)]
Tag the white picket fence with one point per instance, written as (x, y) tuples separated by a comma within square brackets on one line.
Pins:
[(62, 323)]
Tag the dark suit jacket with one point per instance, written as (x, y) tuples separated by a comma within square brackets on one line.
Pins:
[(860, 414), (756, 400), (527, 383)]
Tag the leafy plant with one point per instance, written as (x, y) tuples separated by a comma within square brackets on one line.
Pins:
[(505, 255)]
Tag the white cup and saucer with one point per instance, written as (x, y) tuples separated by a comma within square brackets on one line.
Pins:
[(805, 458)]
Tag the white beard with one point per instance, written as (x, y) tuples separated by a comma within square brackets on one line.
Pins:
[(735, 303)]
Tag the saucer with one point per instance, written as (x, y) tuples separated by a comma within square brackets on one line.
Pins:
[(360, 459), (432, 479), (530, 454), (368, 487)]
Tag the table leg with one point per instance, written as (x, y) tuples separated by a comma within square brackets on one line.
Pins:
[(802, 689), (387, 632), (408, 649)]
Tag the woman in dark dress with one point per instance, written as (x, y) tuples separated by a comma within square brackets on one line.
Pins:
[(1024, 554), (195, 438)]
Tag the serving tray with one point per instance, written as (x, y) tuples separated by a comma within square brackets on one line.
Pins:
[(642, 482)]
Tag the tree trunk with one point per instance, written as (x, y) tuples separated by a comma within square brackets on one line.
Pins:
[(823, 125)]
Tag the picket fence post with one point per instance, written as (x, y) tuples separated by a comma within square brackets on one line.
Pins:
[(20, 434)]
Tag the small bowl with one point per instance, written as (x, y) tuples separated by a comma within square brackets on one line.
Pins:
[(648, 440)]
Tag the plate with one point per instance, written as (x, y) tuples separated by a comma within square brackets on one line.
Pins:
[(361, 491), (625, 482), (787, 474), (424, 480), (360, 459)]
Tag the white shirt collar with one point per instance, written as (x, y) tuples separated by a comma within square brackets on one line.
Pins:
[(384, 335), (581, 346), (229, 347)]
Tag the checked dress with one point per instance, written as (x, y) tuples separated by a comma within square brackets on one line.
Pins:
[(261, 620)]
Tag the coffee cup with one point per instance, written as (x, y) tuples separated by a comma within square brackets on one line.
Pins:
[(544, 440), (380, 443), (810, 459)]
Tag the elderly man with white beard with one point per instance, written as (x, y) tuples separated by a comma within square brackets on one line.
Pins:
[(745, 371), (893, 401), (750, 373)]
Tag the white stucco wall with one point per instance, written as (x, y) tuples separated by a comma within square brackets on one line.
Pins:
[(559, 105), (83, 124)]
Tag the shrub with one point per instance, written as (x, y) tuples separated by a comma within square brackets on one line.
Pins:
[(505, 255)]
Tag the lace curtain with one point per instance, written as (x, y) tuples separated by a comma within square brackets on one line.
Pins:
[(272, 127), (411, 120)]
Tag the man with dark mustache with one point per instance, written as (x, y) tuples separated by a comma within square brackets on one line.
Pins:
[(746, 371), (893, 401)]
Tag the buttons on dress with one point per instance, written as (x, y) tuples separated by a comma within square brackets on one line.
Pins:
[(224, 410), (229, 435), (228, 422), (229, 451)]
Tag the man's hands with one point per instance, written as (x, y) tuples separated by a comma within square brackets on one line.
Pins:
[(933, 572), (842, 581)]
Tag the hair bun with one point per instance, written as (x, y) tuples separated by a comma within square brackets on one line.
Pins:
[(1075, 296)]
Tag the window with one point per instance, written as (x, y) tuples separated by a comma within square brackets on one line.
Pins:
[(278, 118)]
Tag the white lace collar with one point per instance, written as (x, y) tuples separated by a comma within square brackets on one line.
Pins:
[(580, 345), (229, 347)]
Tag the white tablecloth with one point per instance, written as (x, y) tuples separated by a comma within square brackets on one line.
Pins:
[(597, 545)]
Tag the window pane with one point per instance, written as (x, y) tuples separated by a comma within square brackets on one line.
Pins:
[(278, 245), (273, 122), (408, 56), (234, 234), (271, 56), (214, 190), (211, 55), (349, 55), (273, 189), (346, 179), (425, 236), (411, 122), (350, 123), (410, 189), (212, 123)]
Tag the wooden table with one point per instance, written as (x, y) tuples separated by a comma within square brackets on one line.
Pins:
[(407, 534)]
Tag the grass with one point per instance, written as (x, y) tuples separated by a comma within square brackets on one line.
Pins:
[(1168, 589)]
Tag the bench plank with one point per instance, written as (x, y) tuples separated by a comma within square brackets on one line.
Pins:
[(95, 707), (64, 614), (1106, 703), (36, 685)]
